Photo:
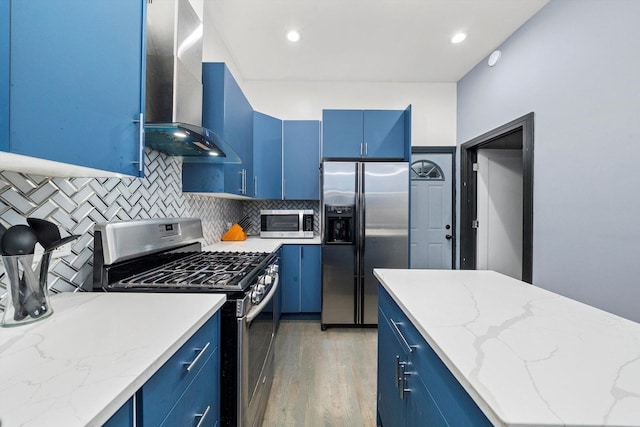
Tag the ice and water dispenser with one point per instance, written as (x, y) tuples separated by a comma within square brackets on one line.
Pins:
[(339, 225)]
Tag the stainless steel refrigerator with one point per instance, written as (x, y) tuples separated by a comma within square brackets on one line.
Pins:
[(365, 225)]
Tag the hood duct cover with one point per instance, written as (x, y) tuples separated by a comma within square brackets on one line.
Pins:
[(174, 85)]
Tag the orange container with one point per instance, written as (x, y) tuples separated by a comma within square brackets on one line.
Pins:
[(235, 233)]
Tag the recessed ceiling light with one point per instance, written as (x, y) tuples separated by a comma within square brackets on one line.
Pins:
[(458, 38), (213, 153), (293, 36)]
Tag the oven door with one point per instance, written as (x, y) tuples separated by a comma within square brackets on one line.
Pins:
[(256, 332)]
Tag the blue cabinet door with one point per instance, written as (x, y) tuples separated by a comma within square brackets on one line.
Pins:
[(226, 111), (301, 159), (77, 73), (342, 133), (310, 285), (391, 410), (384, 134), (4, 75), (366, 134), (421, 409), (267, 156), (122, 418), (200, 403), (290, 277)]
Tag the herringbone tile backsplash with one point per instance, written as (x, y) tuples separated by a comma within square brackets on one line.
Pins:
[(76, 204)]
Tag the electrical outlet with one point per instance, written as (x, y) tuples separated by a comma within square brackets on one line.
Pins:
[(62, 251)]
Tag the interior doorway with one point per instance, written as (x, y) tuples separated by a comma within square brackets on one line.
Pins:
[(496, 212), (432, 218)]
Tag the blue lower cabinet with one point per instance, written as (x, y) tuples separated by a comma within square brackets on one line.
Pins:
[(391, 411), (415, 387), (300, 276), (167, 387), (310, 284), (185, 391), (124, 416), (199, 403)]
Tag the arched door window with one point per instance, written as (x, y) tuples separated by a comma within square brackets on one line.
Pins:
[(426, 170)]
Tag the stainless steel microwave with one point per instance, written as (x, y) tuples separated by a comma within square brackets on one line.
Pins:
[(287, 223)]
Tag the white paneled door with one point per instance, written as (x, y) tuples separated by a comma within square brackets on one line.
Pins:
[(431, 234)]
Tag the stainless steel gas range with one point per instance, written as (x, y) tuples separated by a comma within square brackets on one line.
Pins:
[(165, 255)]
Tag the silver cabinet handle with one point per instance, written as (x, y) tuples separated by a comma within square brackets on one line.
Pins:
[(199, 355), (255, 186), (203, 416), (140, 161), (366, 149), (404, 340), (243, 181), (402, 380), (361, 144)]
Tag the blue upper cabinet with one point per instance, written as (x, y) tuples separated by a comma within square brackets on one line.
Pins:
[(383, 132), (76, 75), (267, 156), (366, 134), (227, 112), (301, 154), (4, 75), (342, 133)]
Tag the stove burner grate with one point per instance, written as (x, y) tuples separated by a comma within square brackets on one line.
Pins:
[(206, 270)]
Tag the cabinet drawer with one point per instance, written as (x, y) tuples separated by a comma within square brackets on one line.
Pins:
[(166, 386), (199, 403)]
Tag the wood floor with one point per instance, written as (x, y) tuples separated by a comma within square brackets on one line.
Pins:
[(323, 378)]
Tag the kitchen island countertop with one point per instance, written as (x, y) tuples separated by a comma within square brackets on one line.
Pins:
[(527, 356), (257, 244), (81, 364)]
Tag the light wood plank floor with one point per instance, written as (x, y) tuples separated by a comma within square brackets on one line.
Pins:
[(323, 378)]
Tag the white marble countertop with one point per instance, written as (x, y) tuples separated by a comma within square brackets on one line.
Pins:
[(528, 357), (257, 244), (77, 367)]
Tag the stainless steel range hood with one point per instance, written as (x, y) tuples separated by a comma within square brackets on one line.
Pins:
[(174, 85)]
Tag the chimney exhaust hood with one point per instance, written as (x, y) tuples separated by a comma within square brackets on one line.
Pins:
[(174, 85)]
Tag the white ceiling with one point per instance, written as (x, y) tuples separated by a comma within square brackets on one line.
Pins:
[(364, 40)]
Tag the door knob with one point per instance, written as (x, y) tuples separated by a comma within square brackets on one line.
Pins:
[(448, 237)]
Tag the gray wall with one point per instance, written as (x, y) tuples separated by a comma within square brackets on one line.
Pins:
[(576, 65)]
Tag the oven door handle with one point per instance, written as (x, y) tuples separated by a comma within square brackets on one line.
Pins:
[(255, 311)]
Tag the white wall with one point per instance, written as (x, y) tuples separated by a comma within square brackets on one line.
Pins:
[(576, 65), (433, 104)]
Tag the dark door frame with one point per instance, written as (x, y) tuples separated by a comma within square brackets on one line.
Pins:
[(468, 193), (452, 151)]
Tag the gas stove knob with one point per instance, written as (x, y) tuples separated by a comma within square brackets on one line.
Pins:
[(273, 269), (256, 295)]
